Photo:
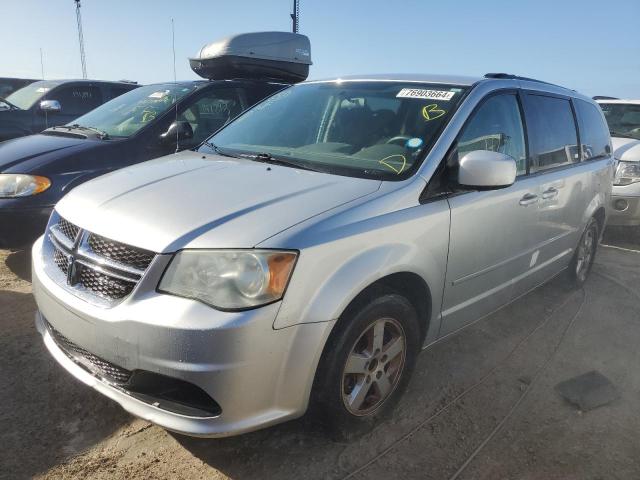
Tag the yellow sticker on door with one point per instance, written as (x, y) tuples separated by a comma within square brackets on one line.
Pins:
[(432, 111)]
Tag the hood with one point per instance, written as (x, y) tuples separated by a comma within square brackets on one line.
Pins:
[(626, 149), (191, 200), (28, 154)]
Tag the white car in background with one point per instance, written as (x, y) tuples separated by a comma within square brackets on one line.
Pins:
[(623, 117)]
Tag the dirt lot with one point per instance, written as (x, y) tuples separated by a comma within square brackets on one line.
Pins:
[(481, 405)]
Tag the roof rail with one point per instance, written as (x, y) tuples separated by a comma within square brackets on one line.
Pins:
[(604, 97), (510, 76)]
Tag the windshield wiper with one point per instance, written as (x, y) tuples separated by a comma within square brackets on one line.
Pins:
[(216, 149), (69, 128), (101, 133), (268, 158), (9, 104)]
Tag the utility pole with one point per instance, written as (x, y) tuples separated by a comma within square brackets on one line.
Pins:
[(295, 16), (83, 58)]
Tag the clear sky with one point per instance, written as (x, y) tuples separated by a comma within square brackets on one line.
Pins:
[(591, 46)]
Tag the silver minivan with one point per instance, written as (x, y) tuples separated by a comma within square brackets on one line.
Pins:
[(305, 254)]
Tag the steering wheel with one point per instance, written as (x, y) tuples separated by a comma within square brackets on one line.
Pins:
[(399, 140)]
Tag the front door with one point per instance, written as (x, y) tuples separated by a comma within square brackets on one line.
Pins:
[(493, 233)]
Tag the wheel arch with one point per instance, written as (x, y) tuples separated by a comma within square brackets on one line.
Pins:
[(408, 284)]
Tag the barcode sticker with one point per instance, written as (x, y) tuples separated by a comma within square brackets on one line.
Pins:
[(425, 94)]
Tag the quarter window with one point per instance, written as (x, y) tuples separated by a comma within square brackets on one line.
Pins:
[(496, 126), (552, 130), (594, 133)]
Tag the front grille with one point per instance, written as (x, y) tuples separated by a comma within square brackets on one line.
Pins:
[(94, 364), (68, 229), (93, 267), (103, 285), (61, 260), (119, 252)]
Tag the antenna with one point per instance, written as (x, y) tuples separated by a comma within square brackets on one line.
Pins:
[(83, 58), (295, 16), (46, 118), (175, 81)]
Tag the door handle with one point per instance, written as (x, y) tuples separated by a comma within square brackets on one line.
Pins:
[(528, 199), (550, 193)]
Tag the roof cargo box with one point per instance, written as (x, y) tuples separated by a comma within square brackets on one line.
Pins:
[(280, 56)]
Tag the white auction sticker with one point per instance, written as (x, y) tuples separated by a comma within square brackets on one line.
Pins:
[(426, 94)]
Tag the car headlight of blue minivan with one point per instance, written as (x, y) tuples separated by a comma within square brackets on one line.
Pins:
[(13, 185), (229, 279)]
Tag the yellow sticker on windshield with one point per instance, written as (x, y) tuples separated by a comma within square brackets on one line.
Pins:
[(432, 111), (148, 115), (402, 161)]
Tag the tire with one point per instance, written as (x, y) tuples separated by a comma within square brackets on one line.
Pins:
[(585, 253), (350, 404)]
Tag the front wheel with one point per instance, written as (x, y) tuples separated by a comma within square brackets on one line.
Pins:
[(584, 255), (367, 364)]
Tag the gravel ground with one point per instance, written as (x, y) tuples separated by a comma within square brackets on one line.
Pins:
[(481, 405)]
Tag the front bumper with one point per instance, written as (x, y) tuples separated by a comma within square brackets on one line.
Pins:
[(257, 375), (625, 205), (22, 226)]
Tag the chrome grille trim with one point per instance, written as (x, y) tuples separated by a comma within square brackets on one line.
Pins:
[(95, 278)]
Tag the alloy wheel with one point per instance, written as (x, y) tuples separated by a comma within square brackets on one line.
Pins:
[(374, 367), (586, 250)]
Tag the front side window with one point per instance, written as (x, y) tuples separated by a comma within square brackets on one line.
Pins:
[(623, 119), (127, 114), (77, 99), (496, 126), (552, 132), (371, 129), (594, 134)]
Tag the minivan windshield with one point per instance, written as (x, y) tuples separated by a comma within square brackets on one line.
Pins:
[(623, 119), (127, 114), (369, 129), (25, 97)]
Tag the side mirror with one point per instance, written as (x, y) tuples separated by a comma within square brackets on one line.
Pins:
[(50, 106), (486, 169), (180, 130)]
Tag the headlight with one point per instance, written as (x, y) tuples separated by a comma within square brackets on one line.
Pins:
[(627, 173), (229, 279), (18, 185)]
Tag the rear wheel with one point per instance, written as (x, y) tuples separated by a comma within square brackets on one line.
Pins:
[(584, 255), (367, 364)]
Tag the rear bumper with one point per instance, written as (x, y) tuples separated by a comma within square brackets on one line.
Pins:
[(258, 376), (22, 226), (625, 206)]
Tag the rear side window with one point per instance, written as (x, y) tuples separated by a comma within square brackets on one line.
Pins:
[(210, 112), (594, 133), (78, 99), (257, 91), (117, 91), (552, 132), (496, 126)]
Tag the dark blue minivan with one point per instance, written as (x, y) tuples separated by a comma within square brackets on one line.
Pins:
[(148, 122)]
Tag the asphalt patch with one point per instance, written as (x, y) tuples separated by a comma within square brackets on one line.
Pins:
[(588, 391)]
